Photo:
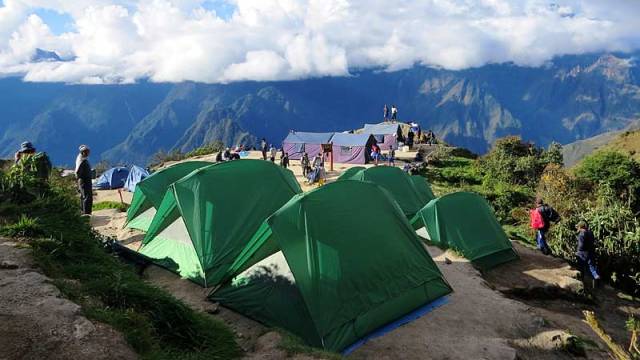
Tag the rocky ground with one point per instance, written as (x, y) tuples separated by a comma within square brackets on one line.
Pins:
[(36, 322)]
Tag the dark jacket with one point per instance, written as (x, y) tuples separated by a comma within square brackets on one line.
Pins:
[(547, 215), (586, 244), (84, 172)]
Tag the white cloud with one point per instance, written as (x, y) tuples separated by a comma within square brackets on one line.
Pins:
[(177, 40)]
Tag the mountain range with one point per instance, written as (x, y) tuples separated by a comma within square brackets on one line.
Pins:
[(568, 99)]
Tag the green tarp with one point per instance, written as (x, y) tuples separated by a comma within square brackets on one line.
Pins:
[(331, 273), (465, 222), (150, 191), (207, 217), (410, 193)]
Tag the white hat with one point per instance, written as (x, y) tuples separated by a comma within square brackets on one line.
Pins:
[(83, 148)]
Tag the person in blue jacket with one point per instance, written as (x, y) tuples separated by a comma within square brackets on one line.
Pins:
[(585, 252)]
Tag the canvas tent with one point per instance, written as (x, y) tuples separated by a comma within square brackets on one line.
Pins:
[(464, 221), (113, 178), (322, 269), (149, 193), (297, 143), (401, 185), (207, 217), (386, 134), (136, 174), (352, 148)]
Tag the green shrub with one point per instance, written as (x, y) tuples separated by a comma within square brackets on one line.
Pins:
[(206, 149), (24, 227)]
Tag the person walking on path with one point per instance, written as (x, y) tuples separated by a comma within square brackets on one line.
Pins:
[(585, 252), (305, 164), (392, 156), (273, 152), (263, 148), (385, 111), (83, 175), (284, 161), (394, 112), (541, 218)]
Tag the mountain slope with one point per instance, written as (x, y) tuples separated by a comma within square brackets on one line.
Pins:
[(571, 98)]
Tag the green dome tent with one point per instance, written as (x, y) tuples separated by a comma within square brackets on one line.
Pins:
[(150, 191), (410, 194), (329, 272), (465, 222), (207, 217)]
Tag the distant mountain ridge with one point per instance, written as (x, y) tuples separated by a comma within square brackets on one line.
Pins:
[(570, 98)]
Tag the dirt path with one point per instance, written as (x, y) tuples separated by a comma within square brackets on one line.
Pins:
[(37, 323)]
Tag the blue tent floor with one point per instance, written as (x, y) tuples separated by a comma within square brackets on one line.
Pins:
[(412, 316)]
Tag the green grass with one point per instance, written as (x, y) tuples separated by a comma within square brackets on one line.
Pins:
[(122, 207), (24, 227), (294, 345), (154, 323)]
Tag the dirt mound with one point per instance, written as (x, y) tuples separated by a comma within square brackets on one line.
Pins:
[(37, 323)]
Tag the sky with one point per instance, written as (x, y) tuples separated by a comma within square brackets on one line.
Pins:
[(221, 41)]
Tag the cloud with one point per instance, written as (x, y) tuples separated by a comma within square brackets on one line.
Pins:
[(116, 41)]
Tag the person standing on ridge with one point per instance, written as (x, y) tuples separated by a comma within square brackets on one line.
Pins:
[(273, 152), (540, 220), (83, 174), (305, 164), (284, 161), (394, 112), (385, 111), (585, 253), (263, 148)]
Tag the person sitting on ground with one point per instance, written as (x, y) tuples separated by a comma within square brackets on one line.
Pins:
[(284, 161), (305, 164), (585, 253), (375, 153), (541, 218), (392, 156), (273, 152), (83, 175)]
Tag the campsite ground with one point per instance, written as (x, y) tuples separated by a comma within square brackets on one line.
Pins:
[(529, 309)]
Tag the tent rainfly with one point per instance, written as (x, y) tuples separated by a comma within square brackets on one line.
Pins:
[(207, 217), (297, 143), (150, 192), (113, 178), (410, 194), (386, 134), (352, 148), (320, 268), (465, 222), (136, 174)]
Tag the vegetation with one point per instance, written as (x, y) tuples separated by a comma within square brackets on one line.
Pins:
[(603, 191), (161, 157), (154, 323), (122, 207)]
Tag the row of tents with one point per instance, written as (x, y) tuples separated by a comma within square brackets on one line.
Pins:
[(348, 148), (331, 265)]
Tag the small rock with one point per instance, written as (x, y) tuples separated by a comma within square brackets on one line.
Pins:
[(6, 264), (82, 327), (213, 309), (447, 261)]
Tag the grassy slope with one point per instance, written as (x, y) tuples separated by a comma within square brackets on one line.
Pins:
[(154, 323), (627, 142)]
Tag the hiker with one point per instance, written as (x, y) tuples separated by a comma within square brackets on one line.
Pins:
[(394, 112), (385, 111), (226, 156), (305, 164), (219, 156), (263, 148), (273, 151), (375, 153), (83, 174), (317, 173), (284, 161), (26, 148), (431, 138), (392, 156), (585, 253), (540, 220)]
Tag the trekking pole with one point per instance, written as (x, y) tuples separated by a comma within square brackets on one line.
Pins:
[(120, 193)]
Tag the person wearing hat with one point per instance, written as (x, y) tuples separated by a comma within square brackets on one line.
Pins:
[(26, 148), (83, 174), (585, 252)]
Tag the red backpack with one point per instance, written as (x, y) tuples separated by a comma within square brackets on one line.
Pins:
[(536, 220)]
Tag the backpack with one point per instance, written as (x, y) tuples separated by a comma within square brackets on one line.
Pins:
[(535, 219), (552, 214)]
